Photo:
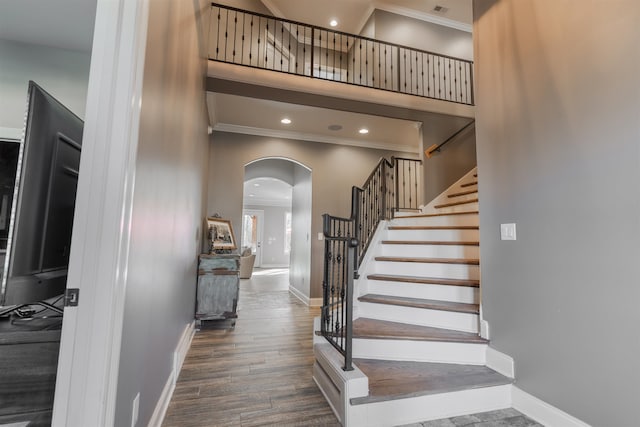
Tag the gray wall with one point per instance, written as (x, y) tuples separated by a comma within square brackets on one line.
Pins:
[(335, 169), (455, 159), (558, 132), (168, 212), (418, 34), (459, 156), (62, 73), (273, 253), (301, 219)]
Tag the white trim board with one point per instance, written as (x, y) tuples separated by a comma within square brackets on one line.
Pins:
[(315, 302), (541, 411), (500, 362), (298, 294), (309, 302), (167, 391), (87, 376)]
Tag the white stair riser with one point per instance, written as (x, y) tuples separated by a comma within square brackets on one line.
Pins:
[(462, 294), (465, 322), (450, 271), (429, 407), (420, 351), (440, 235), (430, 251), (467, 219)]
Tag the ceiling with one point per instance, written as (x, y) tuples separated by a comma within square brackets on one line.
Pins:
[(267, 191), (254, 116), (68, 24), (353, 14), (64, 24)]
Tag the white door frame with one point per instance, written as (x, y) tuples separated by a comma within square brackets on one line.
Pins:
[(87, 375), (259, 232)]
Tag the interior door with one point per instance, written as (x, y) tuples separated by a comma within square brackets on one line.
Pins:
[(252, 232)]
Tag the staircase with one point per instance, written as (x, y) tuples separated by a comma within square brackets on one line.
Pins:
[(417, 351)]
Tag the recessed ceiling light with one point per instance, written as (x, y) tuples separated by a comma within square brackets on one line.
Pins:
[(335, 127), (256, 185), (285, 121), (333, 23), (364, 131), (252, 195)]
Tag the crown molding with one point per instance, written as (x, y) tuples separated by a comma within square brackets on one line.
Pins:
[(249, 130), (423, 16), (273, 9)]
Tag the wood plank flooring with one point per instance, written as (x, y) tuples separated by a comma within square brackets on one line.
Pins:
[(258, 374)]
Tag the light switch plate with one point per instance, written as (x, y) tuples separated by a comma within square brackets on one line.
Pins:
[(508, 231)]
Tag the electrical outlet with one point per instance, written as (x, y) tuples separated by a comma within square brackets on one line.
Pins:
[(135, 410), (508, 231)]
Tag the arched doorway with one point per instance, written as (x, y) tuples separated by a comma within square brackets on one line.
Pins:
[(285, 178)]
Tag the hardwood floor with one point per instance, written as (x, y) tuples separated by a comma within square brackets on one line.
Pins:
[(257, 374)]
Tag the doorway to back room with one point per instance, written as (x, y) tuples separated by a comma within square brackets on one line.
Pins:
[(276, 224)]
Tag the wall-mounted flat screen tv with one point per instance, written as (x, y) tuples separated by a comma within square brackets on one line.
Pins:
[(39, 236)]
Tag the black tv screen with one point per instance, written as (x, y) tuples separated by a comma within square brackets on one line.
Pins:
[(42, 214)]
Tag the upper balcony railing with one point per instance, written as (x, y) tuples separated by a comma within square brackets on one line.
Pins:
[(261, 41)]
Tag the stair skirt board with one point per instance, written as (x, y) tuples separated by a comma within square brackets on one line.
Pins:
[(420, 351), (463, 294), (430, 407), (459, 219), (466, 322), (450, 271), (336, 384), (429, 251), (422, 234)]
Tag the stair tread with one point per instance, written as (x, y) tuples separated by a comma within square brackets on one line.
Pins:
[(462, 193), (433, 227), (469, 184), (430, 242), (438, 214), (425, 280), (391, 380), (462, 202), (466, 261), (457, 307), (382, 329)]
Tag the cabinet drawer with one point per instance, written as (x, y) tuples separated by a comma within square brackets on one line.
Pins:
[(210, 263)]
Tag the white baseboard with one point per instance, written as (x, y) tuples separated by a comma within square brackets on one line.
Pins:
[(315, 302), (167, 391), (263, 265), (484, 329), (310, 302), (541, 411), (183, 348), (302, 297), (500, 362)]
